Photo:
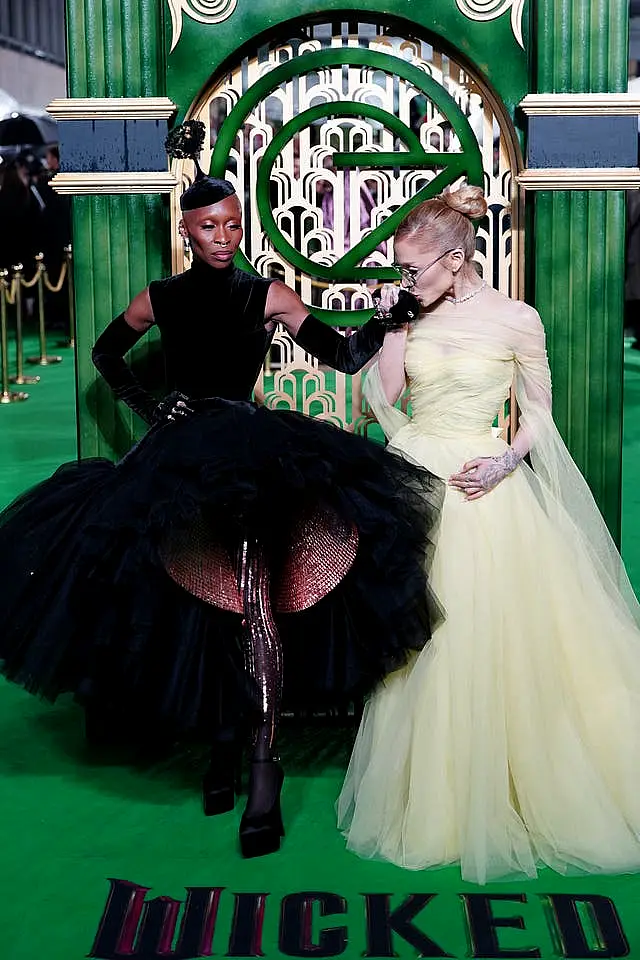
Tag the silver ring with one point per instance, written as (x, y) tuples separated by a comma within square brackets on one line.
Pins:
[(380, 313)]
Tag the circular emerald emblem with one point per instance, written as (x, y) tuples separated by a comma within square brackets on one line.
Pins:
[(409, 154)]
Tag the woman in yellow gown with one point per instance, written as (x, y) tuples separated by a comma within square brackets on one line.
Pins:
[(513, 739)]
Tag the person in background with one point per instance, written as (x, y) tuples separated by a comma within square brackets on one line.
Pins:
[(632, 273), (55, 235), (20, 215)]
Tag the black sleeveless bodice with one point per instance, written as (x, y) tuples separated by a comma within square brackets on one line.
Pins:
[(211, 324)]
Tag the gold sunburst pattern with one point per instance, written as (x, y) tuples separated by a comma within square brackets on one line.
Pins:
[(492, 9), (204, 11)]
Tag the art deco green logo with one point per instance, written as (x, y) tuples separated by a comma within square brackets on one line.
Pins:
[(409, 153)]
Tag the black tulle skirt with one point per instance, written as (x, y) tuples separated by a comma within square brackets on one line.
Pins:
[(87, 606)]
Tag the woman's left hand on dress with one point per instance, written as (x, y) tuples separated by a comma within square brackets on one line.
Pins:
[(481, 475)]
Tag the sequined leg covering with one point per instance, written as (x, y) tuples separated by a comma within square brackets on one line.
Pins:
[(262, 650)]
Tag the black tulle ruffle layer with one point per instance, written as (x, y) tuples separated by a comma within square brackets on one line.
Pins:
[(88, 608)]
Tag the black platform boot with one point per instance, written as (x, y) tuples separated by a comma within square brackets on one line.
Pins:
[(261, 826), (222, 782)]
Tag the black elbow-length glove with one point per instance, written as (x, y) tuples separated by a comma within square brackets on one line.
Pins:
[(349, 354), (108, 357)]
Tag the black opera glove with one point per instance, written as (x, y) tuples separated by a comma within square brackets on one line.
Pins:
[(405, 310), (175, 406), (349, 354), (108, 357)]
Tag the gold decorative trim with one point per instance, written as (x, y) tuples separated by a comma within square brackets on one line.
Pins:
[(112, 108), (203, 11), (585, 178), (581, 104), (484, 10), (100, 183)]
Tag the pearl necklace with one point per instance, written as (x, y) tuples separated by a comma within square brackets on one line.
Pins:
[(468, 296)]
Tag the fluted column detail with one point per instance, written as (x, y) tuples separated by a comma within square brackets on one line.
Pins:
[(581, 46), (116, 49)]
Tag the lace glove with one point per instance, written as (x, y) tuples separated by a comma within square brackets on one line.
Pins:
[(481, 475), (349, 354)]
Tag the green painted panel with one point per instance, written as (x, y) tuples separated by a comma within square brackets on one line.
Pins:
[(116, 255), (490, 46)]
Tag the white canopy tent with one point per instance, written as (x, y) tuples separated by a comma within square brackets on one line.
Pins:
[(8, 105), (23, 128)]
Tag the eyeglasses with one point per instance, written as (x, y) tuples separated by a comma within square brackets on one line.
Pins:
[(410, 275)]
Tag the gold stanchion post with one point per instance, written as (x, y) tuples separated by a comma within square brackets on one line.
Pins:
[(43, 360), (19, 378), (6, 395)]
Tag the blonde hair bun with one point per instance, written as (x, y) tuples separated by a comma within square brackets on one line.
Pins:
[(467, 200)]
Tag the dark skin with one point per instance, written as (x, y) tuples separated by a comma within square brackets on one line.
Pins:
[(215, 233)]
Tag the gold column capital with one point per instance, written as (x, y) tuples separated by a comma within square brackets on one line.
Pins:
[(580, 104), (112, 108)]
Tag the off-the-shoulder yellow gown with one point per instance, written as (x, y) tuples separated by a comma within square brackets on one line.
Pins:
[(513, 739)]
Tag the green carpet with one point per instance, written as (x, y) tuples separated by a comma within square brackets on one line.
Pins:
[(70, 818)]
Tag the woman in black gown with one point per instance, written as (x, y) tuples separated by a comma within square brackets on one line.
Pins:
[(148, 584)]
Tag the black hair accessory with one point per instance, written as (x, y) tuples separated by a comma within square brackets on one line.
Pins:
[(185, 142)]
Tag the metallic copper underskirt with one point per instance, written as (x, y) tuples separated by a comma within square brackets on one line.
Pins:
[(321, 552)]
